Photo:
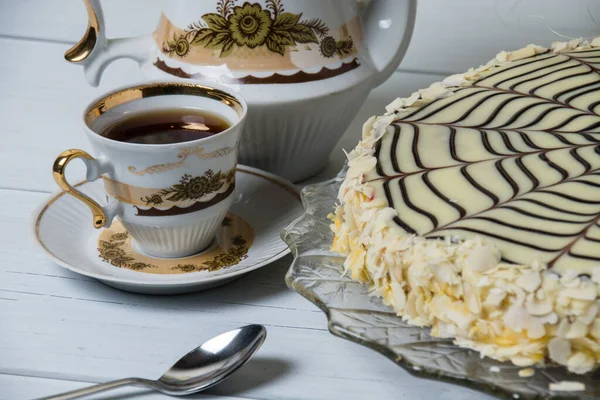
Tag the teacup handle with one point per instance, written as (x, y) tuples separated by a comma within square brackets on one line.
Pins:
[(103, 216), (94, 51)]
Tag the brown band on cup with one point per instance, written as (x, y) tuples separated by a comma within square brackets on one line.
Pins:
[(176, 210), (191, 193)]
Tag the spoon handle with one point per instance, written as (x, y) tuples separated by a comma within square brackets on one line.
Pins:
[(75, 394)]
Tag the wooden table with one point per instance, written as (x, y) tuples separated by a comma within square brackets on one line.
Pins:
[(60, 331)]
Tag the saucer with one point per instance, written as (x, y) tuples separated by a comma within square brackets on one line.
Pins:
[(247, 239)]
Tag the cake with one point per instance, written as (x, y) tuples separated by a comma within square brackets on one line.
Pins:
[(473, 207)]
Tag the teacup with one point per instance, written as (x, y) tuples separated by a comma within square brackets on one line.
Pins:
[(171, 198)]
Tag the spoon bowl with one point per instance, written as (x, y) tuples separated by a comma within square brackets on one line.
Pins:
[(201, 368), (212, 361)]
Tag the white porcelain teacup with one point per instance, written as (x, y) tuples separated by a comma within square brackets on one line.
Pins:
[(170, 197)]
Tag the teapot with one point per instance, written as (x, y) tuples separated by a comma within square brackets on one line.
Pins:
[(304, 67)]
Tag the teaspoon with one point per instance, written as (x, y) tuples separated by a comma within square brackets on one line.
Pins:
[(201, 368)]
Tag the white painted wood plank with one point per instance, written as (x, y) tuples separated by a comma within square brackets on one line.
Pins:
[(24, 270), (57, 325), (452, 36), (13, 387), (66, 20), (43, 99), (449, 36)]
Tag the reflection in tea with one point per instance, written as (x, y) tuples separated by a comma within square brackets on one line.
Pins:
[(166, 126)]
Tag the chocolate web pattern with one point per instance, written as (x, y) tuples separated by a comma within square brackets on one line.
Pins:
[(514, 158)]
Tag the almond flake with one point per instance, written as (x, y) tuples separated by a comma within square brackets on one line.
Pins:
[(567, 386), (559, 350), (526, 373), (530, 282)]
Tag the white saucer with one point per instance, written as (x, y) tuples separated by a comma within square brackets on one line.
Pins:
[(249, 239)]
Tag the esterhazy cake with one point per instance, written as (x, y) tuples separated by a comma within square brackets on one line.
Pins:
[(473, 207)]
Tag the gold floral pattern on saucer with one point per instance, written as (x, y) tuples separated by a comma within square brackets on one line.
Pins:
[(234, 239), (264, 205)]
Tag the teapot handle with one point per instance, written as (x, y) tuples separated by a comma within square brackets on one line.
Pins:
[(388, 27), (94, 51)]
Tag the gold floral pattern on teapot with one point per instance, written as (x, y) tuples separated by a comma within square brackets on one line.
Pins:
[(255, 37), (250, 25)]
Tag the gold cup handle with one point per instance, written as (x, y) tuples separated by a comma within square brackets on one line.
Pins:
[(58, 171)]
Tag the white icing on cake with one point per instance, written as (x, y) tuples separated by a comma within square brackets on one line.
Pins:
[(540, 306)]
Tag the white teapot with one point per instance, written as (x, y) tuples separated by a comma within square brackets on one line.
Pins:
[(303, 67)]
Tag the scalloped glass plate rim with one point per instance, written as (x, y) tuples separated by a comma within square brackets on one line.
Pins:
[(313, 203)]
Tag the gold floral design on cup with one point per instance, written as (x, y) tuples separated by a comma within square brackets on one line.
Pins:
[(189, 194), (191, 188), (184, 153)]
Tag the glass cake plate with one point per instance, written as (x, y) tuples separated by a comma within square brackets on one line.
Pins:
[(353, 314)]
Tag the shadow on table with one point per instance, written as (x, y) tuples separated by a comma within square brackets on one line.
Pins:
[(255, 287), (252, 288), (257, 372)]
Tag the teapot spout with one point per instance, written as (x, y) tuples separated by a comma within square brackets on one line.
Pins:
[(94, 52), (82, 49)]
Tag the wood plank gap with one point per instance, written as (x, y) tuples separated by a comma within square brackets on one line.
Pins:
[(14, 189), (80, 278), (304, 328), (36, 39), (267, 306), (414, 71), (90, 381), (49, 375)]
